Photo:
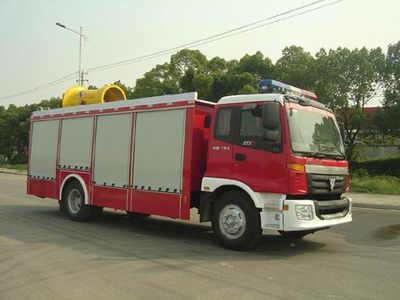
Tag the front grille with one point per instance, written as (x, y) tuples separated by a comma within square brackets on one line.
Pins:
[(332, 208), (322, 184)]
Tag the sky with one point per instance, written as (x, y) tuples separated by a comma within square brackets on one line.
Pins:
[(34, 51)]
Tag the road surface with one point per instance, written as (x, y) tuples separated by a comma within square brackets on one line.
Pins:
[(44, 255)]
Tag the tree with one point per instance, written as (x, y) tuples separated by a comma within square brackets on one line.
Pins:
[(190, 70), (347, 80), (387, 121), (257, 65), (158, 81), (296, 67), (14, 128), (344, 79)]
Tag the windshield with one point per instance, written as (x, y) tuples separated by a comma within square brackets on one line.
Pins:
[(313, 131)]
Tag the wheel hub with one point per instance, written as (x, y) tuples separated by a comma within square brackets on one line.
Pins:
[(232, 221), (74, 200)]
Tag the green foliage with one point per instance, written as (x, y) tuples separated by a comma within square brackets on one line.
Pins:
[(387, 140), (161, 80), (296, 67), (387, 121), (247, 89), (14, 128), (344, 79), (375, 184), (378, 167), (189, 70), (347, 80)]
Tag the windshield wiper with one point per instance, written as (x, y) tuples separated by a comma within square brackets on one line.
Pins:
[(323, 147), (311, 154), (320, 155)]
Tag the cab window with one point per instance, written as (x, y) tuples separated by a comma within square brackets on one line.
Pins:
[(250, 126), (252, 132), (223, 127)]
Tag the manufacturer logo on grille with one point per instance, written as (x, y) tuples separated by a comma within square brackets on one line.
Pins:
[(332, 183)]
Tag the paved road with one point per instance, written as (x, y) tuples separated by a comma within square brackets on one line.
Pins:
[(43, 255)]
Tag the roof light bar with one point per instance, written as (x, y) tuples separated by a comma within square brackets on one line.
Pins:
[(274, 86)]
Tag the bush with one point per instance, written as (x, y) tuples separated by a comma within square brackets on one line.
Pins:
[(375, 184), (378, 167)]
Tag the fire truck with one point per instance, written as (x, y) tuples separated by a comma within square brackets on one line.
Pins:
[(273, 160)]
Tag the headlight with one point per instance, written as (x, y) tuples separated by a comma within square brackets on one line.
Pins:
[(304, 212)]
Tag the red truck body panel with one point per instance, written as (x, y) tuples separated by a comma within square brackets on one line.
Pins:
[(127, 198)]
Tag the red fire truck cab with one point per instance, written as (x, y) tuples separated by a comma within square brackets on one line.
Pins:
[(249, 162)]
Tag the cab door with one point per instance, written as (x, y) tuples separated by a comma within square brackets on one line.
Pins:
[(257, 162), (221, 145)]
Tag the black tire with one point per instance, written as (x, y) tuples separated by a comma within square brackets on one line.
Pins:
[(61, 208), (242, 229), (96, 211), (74, 202), (295, 234)]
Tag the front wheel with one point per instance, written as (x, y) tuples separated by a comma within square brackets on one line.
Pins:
[(236, 221)]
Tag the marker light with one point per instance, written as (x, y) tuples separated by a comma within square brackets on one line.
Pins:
[(309, 94), (296, 167), (274, 86)]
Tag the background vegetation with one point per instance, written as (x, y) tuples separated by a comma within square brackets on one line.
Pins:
[(344, 79), (380, 176)]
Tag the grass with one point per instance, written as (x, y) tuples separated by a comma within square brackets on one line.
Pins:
[(21, 167), (375, 184)]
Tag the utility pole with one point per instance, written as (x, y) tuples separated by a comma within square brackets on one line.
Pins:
[(80, 57), (81, 36)]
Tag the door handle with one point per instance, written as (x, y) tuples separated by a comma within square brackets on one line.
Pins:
[(240, 157)]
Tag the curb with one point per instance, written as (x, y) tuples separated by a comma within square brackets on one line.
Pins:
[(376, 206), (12, 172)]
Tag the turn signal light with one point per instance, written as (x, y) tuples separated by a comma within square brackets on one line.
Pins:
[(296, 167)]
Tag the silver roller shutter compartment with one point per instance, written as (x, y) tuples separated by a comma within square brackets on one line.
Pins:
[(76, 141), (44, 149), (112, 150), (157, 163)]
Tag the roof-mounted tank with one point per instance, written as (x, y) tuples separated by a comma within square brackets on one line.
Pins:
[(79, 95)]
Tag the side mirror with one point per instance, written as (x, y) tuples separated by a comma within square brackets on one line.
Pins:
[(272, 135), (271, 115), (207, 121)]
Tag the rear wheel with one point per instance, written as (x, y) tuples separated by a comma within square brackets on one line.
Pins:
[(236, 221), (74, 203)]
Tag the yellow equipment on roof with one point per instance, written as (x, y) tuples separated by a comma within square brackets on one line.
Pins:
[(79, 95)]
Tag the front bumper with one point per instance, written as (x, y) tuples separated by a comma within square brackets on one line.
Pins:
[(291, 221), (322, 214)]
